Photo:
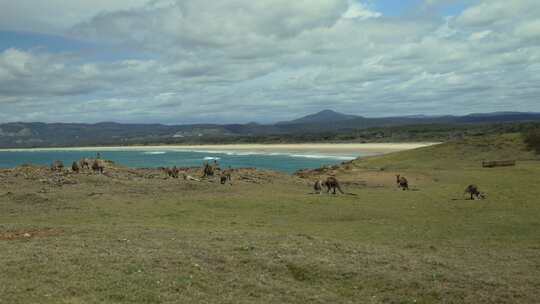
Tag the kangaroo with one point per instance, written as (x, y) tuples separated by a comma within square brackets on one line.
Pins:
[(473, 191), (97, 166), (225, 176), (175, 172), (84, 164), (57, 165), (75, 167), (332, 183), (208, 170), (172, 172), (402, 182)]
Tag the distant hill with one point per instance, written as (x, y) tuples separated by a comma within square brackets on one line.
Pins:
[(321, 117), (499, 117), (324, 125)]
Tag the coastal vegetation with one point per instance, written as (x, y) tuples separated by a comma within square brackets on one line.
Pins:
[(43, 135), (532, 139)]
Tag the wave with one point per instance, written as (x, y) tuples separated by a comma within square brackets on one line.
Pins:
[(224, 152), (212, 158), (154, 152), (318, 156), (263, 153)]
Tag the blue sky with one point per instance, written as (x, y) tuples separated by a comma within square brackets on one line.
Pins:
[(188, 61), (396, 8), (414, 7), (58, 44), (35, 40)]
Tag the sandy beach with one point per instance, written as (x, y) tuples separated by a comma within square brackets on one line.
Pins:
[(315, 148)]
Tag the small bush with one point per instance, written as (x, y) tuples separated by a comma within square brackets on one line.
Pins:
[(298, 272), (532, 139)]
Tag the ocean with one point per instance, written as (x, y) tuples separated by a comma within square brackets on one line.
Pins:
[(152, 158)]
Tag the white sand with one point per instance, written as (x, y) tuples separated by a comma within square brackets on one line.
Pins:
[(313, 148)]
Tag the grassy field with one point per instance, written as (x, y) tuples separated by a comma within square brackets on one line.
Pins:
[(135, 237)]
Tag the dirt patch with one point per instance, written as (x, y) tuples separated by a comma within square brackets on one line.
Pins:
[(252, 175), (28, 234), (43, 175)]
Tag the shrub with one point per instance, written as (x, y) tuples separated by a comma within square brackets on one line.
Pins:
[(532, 139)]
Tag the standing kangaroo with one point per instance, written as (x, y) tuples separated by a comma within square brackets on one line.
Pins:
[(402, 182), (84, 164), (75, 167), (97, 166), (332, 183), (225, 176), (208, 170)]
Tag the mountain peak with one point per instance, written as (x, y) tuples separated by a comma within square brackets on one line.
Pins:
[(323, 116), (328, 111)]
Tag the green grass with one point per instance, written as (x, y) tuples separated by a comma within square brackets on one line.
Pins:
[(465, 153), (167, 241)]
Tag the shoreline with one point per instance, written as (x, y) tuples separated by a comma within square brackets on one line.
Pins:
[(320, 148)]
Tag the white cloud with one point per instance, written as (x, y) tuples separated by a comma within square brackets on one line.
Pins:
[(56, 15), (498, 12), (358, 10), (529, 29), (209, 60), (196, 23), (479, 35)]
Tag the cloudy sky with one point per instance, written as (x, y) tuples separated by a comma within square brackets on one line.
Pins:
[(186, 61)]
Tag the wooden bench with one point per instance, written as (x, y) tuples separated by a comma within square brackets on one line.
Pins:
[(498, 163)]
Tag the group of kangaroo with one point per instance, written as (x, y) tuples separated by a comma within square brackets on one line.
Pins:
[(211, 170), (331, 183), (225, 176), (96, 165)]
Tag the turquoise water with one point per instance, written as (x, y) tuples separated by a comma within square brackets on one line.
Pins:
[(151, 159)]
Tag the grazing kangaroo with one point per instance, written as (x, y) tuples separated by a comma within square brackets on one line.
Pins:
[(172, 172), (75, 167), (332, 183), (225, 176), (57, 165), (473, 191), (402, 182), (97, 166)]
